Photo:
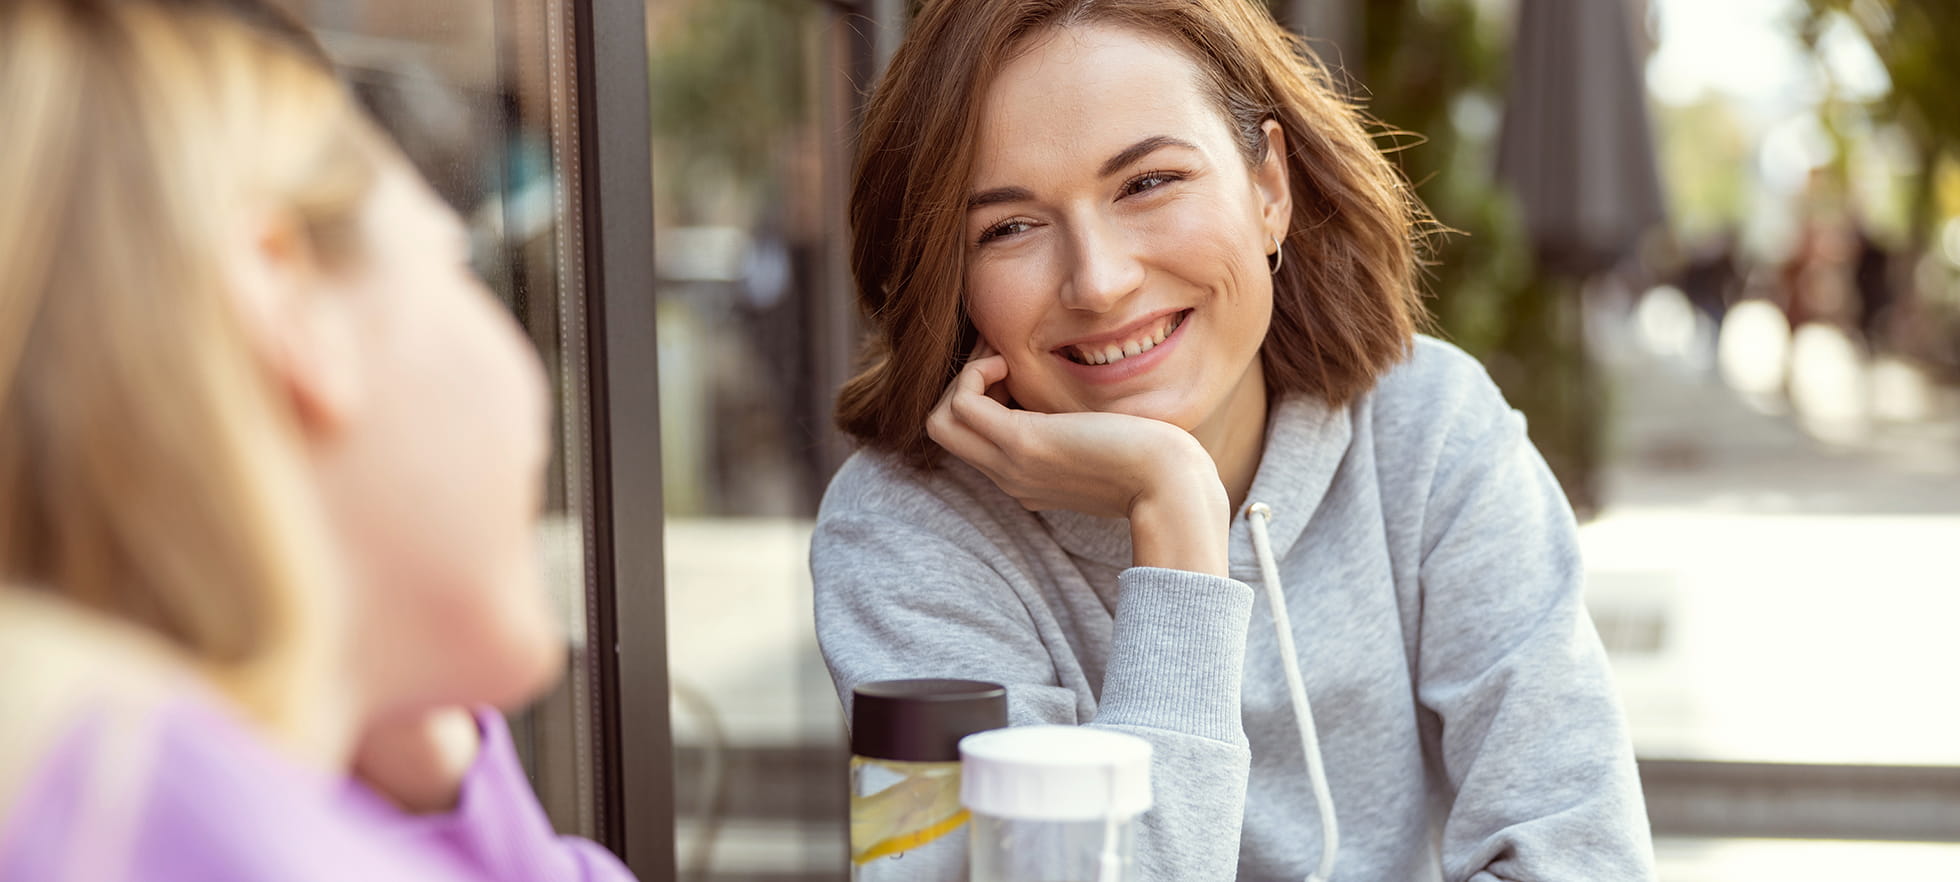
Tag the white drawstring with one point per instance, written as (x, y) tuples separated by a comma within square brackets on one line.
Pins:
[(1258, 516)]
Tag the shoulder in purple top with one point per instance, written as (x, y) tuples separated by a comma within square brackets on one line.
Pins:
[(189, 793)]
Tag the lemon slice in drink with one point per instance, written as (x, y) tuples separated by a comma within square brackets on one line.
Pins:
[(922, 807)]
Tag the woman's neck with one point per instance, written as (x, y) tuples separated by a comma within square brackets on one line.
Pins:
[(1236, 435), (303, 702), (331, 730)]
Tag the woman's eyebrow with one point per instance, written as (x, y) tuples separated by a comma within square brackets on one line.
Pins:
[(1140, 150), (996, 196), (1110, 166)]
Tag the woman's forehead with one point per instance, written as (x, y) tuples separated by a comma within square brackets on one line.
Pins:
[(1085, 93)]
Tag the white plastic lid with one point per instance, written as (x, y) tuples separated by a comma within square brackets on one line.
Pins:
[(1055, 773)]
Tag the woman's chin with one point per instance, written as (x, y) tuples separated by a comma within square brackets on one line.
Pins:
[(1172, 406), (1168, 406)]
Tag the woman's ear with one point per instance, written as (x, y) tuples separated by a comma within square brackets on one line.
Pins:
[(300, 327), (1269, 177)]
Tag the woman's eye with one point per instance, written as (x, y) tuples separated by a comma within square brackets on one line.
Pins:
[(1005, 228), (1149, 181)]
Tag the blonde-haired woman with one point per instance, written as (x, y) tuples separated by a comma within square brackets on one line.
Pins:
[(269, 466)]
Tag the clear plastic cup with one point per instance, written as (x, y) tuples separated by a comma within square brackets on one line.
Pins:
[(1054, 803), (1021, 850)]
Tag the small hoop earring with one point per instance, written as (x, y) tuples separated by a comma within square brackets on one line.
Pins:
[(1279, 254)]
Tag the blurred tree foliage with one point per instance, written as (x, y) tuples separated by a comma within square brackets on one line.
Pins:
[(1701, 145), (1433, 72), (1913, 39), (728, 79)]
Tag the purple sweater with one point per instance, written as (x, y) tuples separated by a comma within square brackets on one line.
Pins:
[(189, 793)]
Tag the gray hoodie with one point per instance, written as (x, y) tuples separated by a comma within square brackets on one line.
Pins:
[(1466, 720)]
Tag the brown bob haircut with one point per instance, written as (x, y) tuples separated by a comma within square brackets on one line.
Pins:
[(1346, 300)]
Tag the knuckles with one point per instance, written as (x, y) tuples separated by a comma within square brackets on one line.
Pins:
[(967, 407)]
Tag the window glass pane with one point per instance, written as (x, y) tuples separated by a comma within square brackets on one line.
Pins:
[(1767, 510), (479, 95), (749, 100)]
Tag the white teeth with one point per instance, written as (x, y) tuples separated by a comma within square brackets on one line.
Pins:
[(1113, 352)]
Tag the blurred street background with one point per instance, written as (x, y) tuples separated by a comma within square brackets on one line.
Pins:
[(1711, 249)]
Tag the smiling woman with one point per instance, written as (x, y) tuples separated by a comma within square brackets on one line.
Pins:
[(1343, 311), (1144, 305)]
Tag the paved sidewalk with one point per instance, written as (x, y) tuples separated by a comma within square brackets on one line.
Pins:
[(1682, 441), (1771, 596)]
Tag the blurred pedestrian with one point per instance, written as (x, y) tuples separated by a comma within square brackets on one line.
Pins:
[(1871, 276), (1711, 278), (270, 458)]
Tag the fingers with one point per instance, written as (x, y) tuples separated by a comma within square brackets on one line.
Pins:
[(975, 404), (959, 439), (996, 387), (983, 352), (956, 422), (993, 365), (982, 373)]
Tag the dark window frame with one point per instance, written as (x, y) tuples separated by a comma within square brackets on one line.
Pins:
[(615, 192)]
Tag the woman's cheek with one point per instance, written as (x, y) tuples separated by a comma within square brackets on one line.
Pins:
[(1204, 244), (1003, 303), (1187, 220), (1008, 299)]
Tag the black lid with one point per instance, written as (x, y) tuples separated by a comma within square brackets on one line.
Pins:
[(923, 721)]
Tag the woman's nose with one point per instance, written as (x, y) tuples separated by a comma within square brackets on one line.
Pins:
[(1105, 269)]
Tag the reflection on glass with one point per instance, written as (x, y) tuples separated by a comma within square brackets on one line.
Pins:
[(478, 95)]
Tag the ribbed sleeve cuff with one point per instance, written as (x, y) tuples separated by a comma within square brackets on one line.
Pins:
[(1177, 657)]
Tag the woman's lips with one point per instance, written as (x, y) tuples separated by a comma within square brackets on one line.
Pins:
[(1141, 327), (1130, 365), (1129, 343)]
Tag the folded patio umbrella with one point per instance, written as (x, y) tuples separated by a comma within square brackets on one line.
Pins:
[(1576, 147)]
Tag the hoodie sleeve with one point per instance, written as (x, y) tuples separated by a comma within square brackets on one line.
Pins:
[(895, 601), (1532, 737), (499, 827)]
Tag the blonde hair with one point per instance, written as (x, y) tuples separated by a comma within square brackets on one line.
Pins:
[(148, 473)]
